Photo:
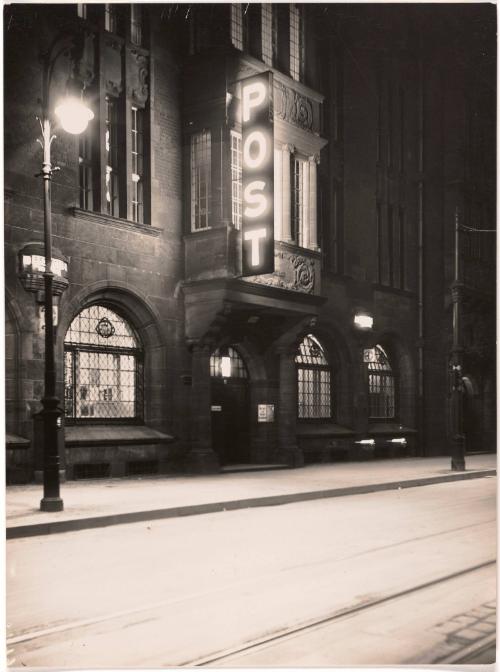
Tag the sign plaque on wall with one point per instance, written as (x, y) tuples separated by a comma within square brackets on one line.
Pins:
[(258, 174), (265, 412)]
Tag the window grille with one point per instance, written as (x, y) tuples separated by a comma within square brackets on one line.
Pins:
[(200, 180), (313, 380), (102, 367), (238, 368), (85, 170), (381, 387), (297, 218), (268, 30), (237, 25), (112, 189), (236, 179), (137, 189), (136, 24), (296, 42)]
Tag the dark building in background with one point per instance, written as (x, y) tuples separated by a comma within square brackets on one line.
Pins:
[(167, 358)]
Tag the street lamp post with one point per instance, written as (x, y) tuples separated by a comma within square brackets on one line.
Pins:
[(456, 363), (458, 439), (74, 117)]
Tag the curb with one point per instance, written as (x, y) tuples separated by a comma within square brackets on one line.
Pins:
[(37, 529)]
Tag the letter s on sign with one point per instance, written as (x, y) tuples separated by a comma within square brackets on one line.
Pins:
[(258, 201)]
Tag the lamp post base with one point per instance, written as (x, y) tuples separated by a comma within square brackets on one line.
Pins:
[(458, 453), (457, 464), (51, 504)]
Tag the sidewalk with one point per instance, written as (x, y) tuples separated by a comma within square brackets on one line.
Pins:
[(97, 503)]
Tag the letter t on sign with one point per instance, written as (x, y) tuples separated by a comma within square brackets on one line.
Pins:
[(255, 236)]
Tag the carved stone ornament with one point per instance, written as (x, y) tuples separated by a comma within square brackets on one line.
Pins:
[(138, 77), (293, 107), (293, 271), (113, 67)]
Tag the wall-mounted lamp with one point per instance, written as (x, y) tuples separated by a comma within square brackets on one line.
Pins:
[(363, 321)]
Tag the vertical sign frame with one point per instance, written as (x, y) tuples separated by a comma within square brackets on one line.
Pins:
[(257, 127)]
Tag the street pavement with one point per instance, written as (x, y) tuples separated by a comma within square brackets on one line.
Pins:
[(111, 501), (191, 590)]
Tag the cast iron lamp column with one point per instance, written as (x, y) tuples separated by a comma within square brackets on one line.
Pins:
[(456, 363), (74, 117), (458, 439)]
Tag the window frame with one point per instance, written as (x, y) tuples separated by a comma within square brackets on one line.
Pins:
[(315, 368), (196, 179), (75, 349), (383, 375), (236, 179)]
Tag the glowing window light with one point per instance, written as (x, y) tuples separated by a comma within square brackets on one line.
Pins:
[(401, 440), (368, 442), (225, 366)]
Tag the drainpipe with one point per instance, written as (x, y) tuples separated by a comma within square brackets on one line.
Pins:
[(420, 271)]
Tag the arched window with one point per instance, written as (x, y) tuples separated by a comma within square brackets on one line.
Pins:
[(313, 380), (381, 388), (227, 363), (103, 373)]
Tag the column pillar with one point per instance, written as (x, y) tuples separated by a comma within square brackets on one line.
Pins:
[(287, 194), (278, 197), (289, 451), (313, 202), (304, 237), (201, 457)]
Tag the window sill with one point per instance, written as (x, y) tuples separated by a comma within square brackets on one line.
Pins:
[(321, 428), (108, 220), (99, 435)]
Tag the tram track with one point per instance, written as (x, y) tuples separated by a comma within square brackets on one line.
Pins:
[(312, 625)]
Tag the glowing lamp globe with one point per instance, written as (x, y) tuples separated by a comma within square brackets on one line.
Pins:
[(74, 115)]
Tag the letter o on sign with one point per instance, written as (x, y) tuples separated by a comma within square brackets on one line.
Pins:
[(255, 158)]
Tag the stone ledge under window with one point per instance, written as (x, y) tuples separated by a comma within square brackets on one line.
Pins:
[(98, 435), (388, 429), (13, 441), (306, 430), (117, 222)]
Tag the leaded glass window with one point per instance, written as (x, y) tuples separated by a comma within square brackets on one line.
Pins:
[(227, 363), (236, 177), (200, 180), (102, 367), (313, 380), (381, 387)]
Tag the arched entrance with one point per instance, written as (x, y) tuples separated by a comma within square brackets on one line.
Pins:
[(230, 406)]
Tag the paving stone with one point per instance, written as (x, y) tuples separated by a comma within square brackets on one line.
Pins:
[(447, 627), (484, 627), (468, 635), (464, 620)]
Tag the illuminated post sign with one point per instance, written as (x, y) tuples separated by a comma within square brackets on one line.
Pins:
[(258, 175)]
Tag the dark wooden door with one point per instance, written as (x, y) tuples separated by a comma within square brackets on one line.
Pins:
[(230, 420)]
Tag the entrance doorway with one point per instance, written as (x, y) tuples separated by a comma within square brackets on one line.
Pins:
[(230, 407)]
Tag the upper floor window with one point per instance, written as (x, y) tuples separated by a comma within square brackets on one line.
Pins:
[(296, 42), (111, 181), (381, 387), (269, 34), (236, 179), (313, 380), (110, 17), (299, 216), (136, 23), (102, 367), (81, 10), (201, 157), (137, 149), (111, 146), (237, 25)]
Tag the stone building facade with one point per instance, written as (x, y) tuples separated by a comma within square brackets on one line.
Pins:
[(167, 358)]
